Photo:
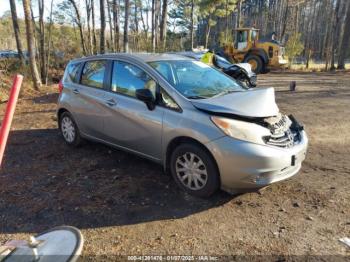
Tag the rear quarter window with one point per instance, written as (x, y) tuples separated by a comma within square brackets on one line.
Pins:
[(72, 72)]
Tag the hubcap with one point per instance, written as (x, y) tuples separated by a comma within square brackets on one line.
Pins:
[(68, 129), (191, 171)]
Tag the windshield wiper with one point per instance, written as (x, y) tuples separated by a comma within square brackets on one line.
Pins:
[(224, 93), (197, 97)]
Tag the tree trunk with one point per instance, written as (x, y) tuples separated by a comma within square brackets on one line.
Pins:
[(34, 29), (226, 22), (334, 34), (345, 41), (192, 24), (144, 24), (88, 16), (16, 30), (163, 25), (238, 23), (49, 45), (153, 27), (116, 14), (296, 25), (110, 26), (126, 26), (156, 22), (309, 37), (326, 34), (103, 27), (42, 54), (30, 43), (136, 22), (94, 39), (79, 24), (284, 22), (207, 34)]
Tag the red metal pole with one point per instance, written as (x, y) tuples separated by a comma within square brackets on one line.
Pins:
[(10, 110)]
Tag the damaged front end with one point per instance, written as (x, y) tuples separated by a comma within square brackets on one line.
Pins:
[(280, 131), (263, 150), (285, 131)]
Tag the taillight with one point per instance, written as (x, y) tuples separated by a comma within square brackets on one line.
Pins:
[(60, 86)]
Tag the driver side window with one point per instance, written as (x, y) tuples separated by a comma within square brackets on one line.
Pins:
[(127, 78)]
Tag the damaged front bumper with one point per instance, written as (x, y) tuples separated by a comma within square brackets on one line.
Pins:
[(245, 166)]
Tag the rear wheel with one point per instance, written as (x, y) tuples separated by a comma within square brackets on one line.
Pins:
[(194, 170), (69, 129), (256, 63)]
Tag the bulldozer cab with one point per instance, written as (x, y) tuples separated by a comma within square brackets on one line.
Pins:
[(245, 38)]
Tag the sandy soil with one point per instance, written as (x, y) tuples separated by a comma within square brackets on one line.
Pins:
[(126, 205)]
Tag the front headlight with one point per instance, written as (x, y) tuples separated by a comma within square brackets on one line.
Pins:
[(242, 130)]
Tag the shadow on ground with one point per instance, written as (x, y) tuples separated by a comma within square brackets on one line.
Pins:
[(45, 183)]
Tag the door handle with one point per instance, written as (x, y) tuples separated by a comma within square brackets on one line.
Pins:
[(111, 102), (76, 91)]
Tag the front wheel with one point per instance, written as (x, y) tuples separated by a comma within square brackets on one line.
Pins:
[(194, 170)]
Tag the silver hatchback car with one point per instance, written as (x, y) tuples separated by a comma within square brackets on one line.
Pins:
[(201, 125)]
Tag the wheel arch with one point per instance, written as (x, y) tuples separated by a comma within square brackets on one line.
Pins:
[(60, 112), (181, 140)]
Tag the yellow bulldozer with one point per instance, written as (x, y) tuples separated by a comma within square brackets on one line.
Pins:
[(261, 55)]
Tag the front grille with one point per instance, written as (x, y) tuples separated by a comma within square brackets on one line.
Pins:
[(285, 139), (282, 133)]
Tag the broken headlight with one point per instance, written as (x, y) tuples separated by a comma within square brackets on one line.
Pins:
[(242, 130)]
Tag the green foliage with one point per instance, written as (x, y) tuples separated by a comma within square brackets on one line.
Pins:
[(217, 8), (212, 11), (180, 15), (294, 46)]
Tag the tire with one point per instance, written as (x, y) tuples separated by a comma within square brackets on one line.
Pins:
[(69, 130), (203, 174), (255, 60)]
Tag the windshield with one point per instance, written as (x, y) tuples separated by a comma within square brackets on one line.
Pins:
[(194, 79)]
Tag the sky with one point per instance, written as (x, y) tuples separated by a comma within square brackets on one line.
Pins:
[(5, 6)]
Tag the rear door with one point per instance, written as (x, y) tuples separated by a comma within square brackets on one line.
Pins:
[(89, 98), (129, 123)]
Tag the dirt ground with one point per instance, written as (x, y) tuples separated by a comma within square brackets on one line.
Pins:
[(126, 205)]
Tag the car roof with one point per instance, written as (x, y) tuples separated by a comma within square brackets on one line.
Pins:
[(142, 57)]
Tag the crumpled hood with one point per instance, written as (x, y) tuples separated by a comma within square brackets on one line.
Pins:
[(257, 102), (246, 66)]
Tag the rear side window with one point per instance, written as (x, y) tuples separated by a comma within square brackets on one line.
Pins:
[(73, 70), (93, 73)]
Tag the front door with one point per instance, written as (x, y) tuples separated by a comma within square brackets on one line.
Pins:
[(128, 122)]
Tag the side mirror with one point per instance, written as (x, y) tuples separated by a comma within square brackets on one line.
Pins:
[(147, 97)]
